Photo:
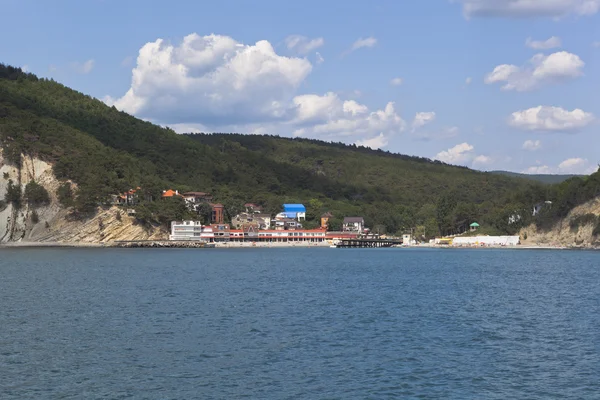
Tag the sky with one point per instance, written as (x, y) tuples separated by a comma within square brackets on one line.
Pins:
[(488, 84)]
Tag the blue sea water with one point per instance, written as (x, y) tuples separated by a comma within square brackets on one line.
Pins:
[(299, 324)]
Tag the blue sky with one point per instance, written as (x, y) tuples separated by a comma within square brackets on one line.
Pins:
[(454, 80)]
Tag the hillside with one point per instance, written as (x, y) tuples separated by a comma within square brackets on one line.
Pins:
[(105, 151), (542, 178)]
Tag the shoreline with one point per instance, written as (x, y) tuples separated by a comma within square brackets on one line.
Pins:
[(261, 245)]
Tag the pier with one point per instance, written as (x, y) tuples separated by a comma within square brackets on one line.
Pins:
[(367, 243)]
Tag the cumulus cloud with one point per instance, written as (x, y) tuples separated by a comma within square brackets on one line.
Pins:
[(529, 8), (422, 118), (550, 43), (214, 80), (303, 45), (468, 80), (575, 165), (540, 70), (547, 118), (375, 143), (83, 68), (396, 82), (532, 145), (214, 83), (328, 116), (459, 154)]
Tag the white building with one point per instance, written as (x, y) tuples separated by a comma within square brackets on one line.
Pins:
[(191, 230), (407, 240), (353, 224)]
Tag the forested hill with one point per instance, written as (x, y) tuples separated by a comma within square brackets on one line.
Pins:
[(106, 151)]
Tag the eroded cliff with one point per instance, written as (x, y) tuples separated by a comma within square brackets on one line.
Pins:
[(53, 222), (565, 232)]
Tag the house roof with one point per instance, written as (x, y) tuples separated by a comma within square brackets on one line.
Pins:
[(327, 215), (474, 225), (294, 208), (354, 220), (252, 205), (217, 205), (170, 193)]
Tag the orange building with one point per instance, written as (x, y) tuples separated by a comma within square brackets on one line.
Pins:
[(218, 213), (325, 220)]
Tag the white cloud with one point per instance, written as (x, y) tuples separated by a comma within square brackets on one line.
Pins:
[(319, 58), (303, 45), (464, 154), (213, 80), (468, 80), (547, 118), (575, 165), (363, 42), (596, 44), (459, 154), (375, 143), (532, 145), (328, 116), (396, 82), (540, 70), (422, 119), (214, 83), (482, 160), (529, 8), (550, 43), (25, 68), (83, 68)]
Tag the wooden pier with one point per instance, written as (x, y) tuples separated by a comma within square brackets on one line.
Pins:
[(367, 243)]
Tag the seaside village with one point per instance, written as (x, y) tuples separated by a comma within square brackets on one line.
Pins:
[(253, 226)]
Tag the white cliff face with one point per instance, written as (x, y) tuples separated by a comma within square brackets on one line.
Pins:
[(53, 224), (562, 234)]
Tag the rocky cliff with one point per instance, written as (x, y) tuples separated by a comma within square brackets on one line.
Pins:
[(563, 234), (53, 223)]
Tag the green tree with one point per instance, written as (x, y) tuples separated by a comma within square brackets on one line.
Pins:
[(36, 194), (444, 213), (205, 213), (65, 194), (13, 194)]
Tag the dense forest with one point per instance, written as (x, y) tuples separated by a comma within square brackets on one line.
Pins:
[(106, 151)]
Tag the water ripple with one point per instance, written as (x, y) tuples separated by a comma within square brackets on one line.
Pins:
[(299, 323)]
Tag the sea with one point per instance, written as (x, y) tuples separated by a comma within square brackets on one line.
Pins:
[(299, 323)]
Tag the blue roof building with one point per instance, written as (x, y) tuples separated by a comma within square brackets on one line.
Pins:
[(294, 211), (294, 208)]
